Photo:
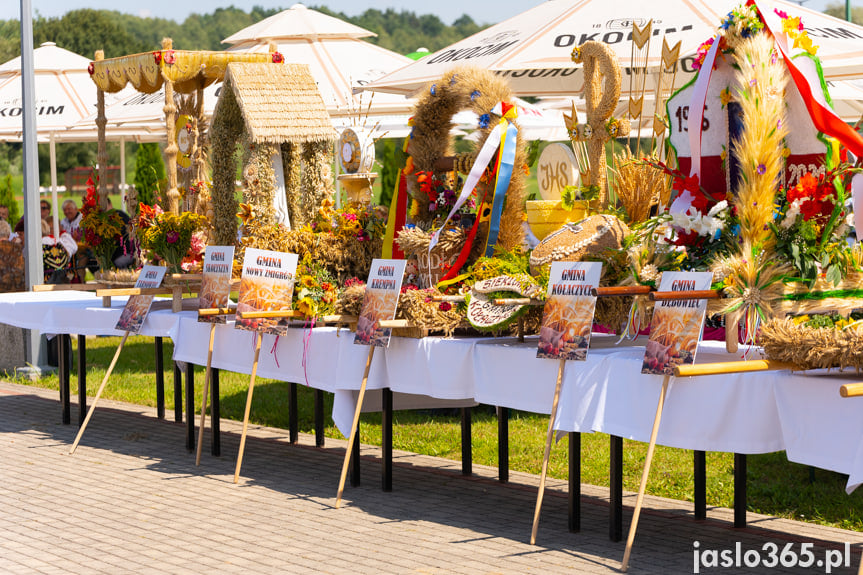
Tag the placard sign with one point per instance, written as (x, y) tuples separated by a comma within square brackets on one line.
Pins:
[(676, 325), (380, 302), (556, 169), (567, 318), (138, 306), (266, 284), (216, 282)]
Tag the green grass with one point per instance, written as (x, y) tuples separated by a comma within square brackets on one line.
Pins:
[(775, 486)]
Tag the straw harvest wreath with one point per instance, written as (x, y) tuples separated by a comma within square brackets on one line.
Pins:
[(480, 91)]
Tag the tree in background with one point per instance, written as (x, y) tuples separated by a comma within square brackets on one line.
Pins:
[(149, 172), (838, 11), (7, 198), (389, 153)]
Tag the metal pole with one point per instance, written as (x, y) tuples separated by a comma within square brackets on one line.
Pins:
[(55, 208), (36, 352), (123, 186), (848, 10)]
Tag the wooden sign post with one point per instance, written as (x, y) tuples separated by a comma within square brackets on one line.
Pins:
[(681, 304), (853, 390), (564, 335), (214, 296), (380, 304), (723, 368), (98, 393), (264, 301), (258, 338), (131, 321), (349, 448), (204, 395)]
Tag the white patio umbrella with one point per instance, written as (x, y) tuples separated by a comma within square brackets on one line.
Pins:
[(339, 59), (533, 50), (64, 95)]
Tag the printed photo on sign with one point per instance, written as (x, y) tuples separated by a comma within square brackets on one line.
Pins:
[(216, 281), (567, 317), (380, 302), (676, 325), (138, 306), (266, 284)]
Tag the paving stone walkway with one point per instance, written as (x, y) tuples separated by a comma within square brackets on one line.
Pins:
[(131, 500)]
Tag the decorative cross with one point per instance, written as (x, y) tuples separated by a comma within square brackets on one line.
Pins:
[(599, 63)]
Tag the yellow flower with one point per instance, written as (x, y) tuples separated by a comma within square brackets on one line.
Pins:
[(246, 213), (804, 42), (307, 307), (786, 152), (307, 281), (791, 26), (725, 96)]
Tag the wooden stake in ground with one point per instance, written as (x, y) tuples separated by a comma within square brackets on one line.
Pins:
[(359, 407), (645, 472), (99, 393), (206, 391), (547, 453), (258, 338)]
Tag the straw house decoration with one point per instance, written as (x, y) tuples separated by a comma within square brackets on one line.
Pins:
[(278, 116), (179, 71)]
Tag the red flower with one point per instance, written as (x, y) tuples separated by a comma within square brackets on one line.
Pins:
[(445, 306), (278, 58), (91, 68), (690, 238), (157, 57), (170, 57)]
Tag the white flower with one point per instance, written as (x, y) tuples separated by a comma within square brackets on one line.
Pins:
[(790, 215), (714, 211)]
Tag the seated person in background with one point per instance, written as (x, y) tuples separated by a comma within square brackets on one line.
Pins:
[(4, 213), (45, 207), (11, 261), (18, 232), (72, 222), (124, 255), (57, 255)]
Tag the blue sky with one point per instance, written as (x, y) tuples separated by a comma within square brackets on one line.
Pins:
[(482, 11)]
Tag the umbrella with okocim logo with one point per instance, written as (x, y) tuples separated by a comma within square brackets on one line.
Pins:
[(533, 50)]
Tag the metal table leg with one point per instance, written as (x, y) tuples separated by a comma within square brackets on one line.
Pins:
[(160, 378), (82, 379), (503, 444), (466, 443), (215, 412), (615, 507), (699, 484), (387, 439), (574, 482)]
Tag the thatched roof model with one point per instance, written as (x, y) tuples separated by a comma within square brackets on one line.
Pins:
[(278, 103)]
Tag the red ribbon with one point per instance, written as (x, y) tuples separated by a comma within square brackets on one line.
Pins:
[(273, 352), (824, 118), (401, 213), (465, 251)]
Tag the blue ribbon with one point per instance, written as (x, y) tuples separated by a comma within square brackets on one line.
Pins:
[(504, 174)]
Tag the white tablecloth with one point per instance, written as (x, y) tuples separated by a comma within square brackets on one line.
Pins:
[(79, 312), (802, 414)]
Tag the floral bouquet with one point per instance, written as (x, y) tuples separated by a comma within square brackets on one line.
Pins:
[(351, 222), (103, 229), (315, 290), (437, 197), (167, 236), (812, 225), (695, 223)]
